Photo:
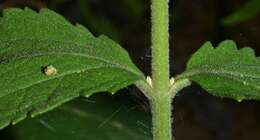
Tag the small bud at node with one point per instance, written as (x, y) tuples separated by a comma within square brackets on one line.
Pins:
[(172, 81), (149, 80)]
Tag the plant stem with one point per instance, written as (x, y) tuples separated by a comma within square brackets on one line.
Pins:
[(161, 101), (161, 113), (160, 46)]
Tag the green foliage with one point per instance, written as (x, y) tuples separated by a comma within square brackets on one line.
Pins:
[(45, 61), (249, 10), (225, 71), (77, 120)]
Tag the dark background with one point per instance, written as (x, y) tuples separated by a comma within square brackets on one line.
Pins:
[(197, 115)]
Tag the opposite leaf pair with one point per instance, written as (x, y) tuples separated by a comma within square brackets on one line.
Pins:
[(30, 41)]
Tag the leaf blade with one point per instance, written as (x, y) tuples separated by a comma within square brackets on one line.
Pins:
[(225, 71), (31, 41)]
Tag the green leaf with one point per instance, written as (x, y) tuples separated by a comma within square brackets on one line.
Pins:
[(225, 71), (246, 12), (77, 120), (45, 61)]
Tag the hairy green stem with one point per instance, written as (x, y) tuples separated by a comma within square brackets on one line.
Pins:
[(160, 46), (161, 101), (162, 119)]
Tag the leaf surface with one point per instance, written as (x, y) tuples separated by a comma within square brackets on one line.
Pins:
[(46, 61), (225, 71)]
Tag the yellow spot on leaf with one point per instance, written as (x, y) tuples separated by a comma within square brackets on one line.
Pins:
[(50, 70)]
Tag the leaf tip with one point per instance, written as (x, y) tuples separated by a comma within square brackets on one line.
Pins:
[(208, 43), (19, 119), (239, 99), (228, 44)]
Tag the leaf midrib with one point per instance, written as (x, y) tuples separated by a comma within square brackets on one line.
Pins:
[(215, 69), (56, 77), (220, 73), (111, 63), (116, 64)]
